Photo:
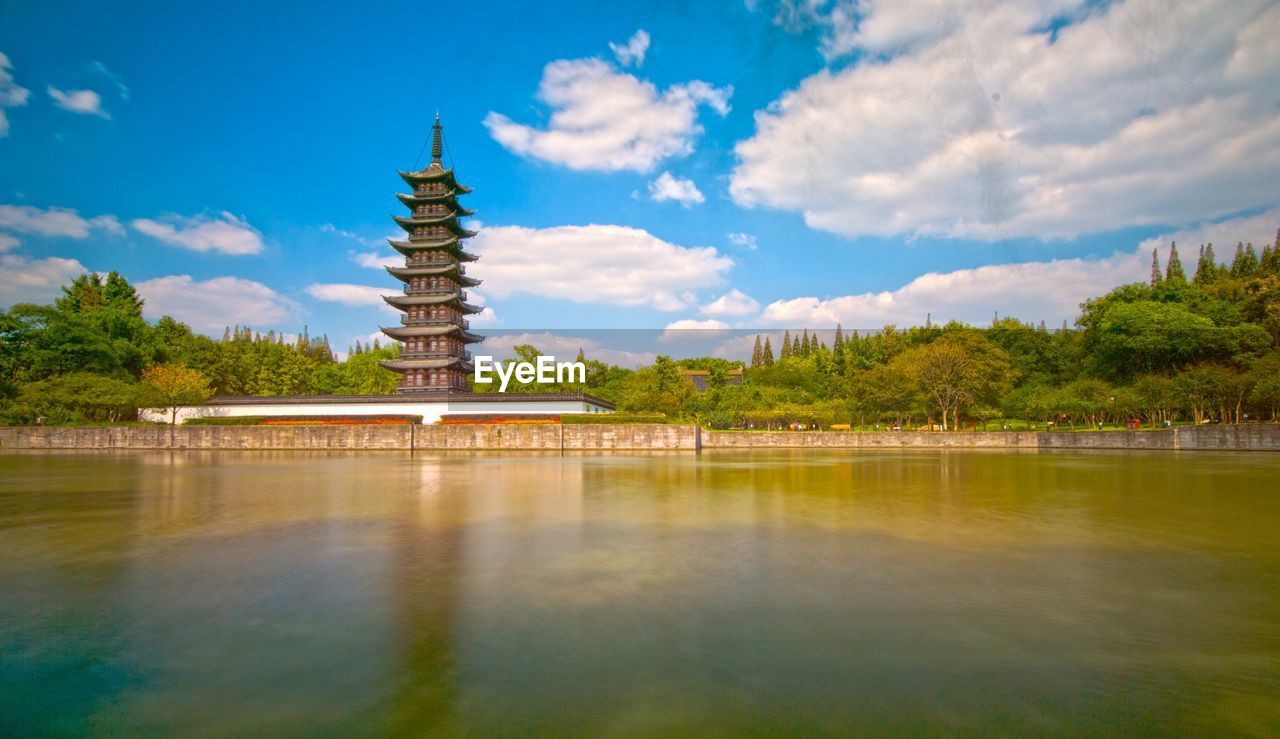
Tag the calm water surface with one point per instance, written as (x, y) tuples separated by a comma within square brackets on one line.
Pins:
[(785, 592)]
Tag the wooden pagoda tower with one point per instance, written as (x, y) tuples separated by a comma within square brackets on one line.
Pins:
[(434, 333)]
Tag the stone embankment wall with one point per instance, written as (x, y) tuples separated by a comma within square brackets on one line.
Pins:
[(549, 437), (1250, 437), (622, 437), (872, 440)]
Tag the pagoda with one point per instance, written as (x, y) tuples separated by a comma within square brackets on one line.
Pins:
[(434, 333)]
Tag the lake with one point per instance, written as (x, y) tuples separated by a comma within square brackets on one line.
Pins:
[(228, 593)]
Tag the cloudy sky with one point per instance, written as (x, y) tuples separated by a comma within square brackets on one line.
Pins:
[(649, 165)]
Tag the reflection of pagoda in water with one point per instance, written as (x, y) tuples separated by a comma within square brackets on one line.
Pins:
[(434, 337)]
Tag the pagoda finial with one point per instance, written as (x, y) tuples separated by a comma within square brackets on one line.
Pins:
[(437, 145)]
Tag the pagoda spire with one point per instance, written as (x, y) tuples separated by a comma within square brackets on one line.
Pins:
[(437, 142)]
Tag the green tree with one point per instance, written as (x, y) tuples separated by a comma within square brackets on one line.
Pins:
[(958, 369), (80, 397), (177, 386), (1173, 272)]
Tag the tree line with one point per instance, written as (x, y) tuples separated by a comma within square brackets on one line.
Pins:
[(1173, 349), (92, 357)]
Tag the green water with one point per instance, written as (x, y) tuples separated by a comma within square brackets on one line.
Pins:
[(785, 592)]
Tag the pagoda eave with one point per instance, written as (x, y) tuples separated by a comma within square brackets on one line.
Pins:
[(408, 273), (401, 333), (434, 173), (448, 199), (404, 365), (435, 219), (408, 248), (406, 301)]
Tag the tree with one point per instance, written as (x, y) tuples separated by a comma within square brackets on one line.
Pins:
[(80, 396), (120, 295), (757, 354), (767, 357), (1245, 264), (1156, 279), (1173, 271), (786, 346), (659, 388), (961, 368), (177, 386), (83, 295)]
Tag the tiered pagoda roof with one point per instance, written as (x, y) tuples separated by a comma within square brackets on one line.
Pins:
[(406, 274), (434, 334)]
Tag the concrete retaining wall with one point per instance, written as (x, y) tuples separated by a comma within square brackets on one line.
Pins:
[(1252, 437), (628, 437), (548, 436), (855, 440)]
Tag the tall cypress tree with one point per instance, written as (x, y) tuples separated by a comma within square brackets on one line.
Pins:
[(786, 345), (1269, 264), (1199, 277), (1156, 279), (1211, 261), (1245, 264), (767, 358), (757, 354), (804, 344), (1173, 271)]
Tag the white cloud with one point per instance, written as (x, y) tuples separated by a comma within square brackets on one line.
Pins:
[(209, 306), (563, 348), (63, 222), (1033, 291), (1258, 230), (348, 294), (745, 240), (226, 233), (667, 187), (374, 260), (1050, 291), (485, 317), (616, 265), (631, 54), (689, 329), (604, 119), (24, 280), (12, 95), (8, 242), (733, 303), (964, 120), (84, 102)]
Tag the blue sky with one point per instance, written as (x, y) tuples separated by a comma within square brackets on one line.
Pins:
[(862, 162)]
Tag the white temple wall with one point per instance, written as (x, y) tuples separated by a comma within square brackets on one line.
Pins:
[(430, 412)]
